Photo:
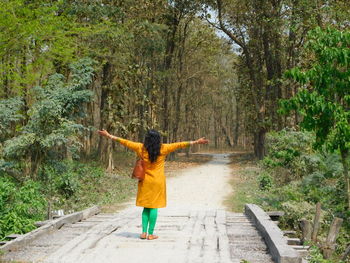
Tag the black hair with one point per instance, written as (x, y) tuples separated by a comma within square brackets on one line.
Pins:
[(152, 144)]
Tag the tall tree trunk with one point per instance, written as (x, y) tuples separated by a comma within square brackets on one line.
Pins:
[(226, 132), (5, 77), (259, 143), (105, 145), (271, 42), (236, 128), (170, 48), (109, 153), (95, 109), (141, 116), (177, 112), (345, 162), (23, 85)]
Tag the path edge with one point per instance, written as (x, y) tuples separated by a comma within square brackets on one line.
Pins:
[(45, 229), (273, 236)]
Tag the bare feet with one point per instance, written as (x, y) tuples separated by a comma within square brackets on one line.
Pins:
[(143, 236), (151, 237)]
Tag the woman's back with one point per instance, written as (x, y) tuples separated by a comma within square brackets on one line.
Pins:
[(155, 168)]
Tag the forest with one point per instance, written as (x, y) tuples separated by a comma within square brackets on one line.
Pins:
[(271, 77)]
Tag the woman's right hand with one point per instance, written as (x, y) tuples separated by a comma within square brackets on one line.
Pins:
[(104, 133)]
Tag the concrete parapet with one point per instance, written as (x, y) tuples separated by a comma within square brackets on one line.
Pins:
[(273, 236), (50, 226)]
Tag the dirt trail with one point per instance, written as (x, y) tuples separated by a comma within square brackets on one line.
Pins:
[(202, 187), (194, 227)]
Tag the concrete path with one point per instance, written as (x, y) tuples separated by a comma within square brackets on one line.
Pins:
[(193, 228)]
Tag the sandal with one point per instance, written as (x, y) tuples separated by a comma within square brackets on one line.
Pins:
[(143, 236), (151, 237)]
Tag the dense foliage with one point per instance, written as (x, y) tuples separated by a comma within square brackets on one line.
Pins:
[(68, 185), (300, 177), (20, 206), (50, 128), (51, 121), (324, 100)]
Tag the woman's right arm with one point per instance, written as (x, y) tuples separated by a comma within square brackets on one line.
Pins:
[(107, 134), (135, 146)]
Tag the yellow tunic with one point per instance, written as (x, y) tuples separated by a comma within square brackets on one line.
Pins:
[(151, 192)]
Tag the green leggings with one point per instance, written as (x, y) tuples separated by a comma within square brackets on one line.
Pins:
[(149, 215)]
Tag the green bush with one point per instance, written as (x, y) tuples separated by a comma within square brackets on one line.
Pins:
[(53, 124), (284, 146), (296, 210), (75, 185), (279, 195), (20, 206), (291, 150), (265, 181), (64, 179), (317, 257), (68, 184)]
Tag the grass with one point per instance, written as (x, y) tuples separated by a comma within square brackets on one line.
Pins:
[(244, 184), (244, 190)]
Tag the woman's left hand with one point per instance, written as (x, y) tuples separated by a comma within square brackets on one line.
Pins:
[(202, 140)]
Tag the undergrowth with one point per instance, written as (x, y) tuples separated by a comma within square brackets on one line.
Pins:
[(293, 178)]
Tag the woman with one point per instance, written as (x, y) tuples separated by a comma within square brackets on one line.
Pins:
[(151, 193)]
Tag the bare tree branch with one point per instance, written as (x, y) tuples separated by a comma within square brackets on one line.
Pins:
[(213, 24), (224, 28)]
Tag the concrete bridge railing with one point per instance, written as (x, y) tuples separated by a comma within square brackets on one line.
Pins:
[(279, 249)]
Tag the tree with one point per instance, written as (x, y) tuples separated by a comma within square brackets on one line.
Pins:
[(35, 42), (268, 36), (324, 97), (52, 128)]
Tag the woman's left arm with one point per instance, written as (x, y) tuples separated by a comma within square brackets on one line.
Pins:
[(177, 145), (202, 140)]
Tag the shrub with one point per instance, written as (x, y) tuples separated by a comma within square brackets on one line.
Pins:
[(64, 178), (288, 149), (265, 181), (68, 184), (317, 257), (296, 210), (20, 206)]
